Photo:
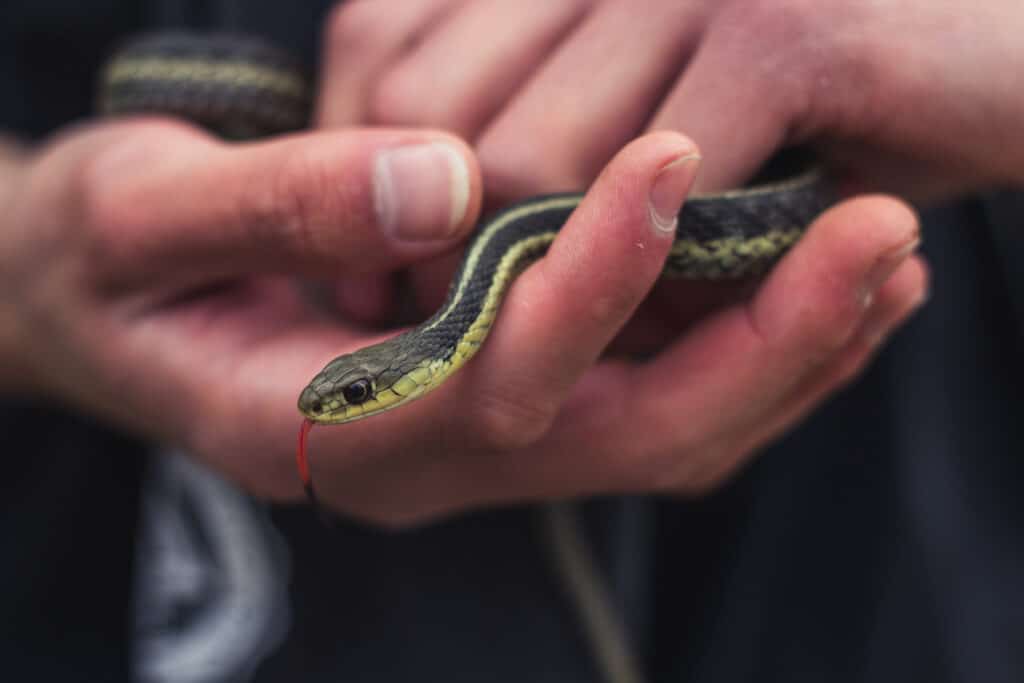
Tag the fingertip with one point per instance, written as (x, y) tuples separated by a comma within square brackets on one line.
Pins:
[(653, 174), (646, 155), (619, 229)]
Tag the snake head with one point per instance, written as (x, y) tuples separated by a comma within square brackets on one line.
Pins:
[(363, 383)]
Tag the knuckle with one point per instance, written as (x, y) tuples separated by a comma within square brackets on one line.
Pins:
[(822, 67), (783, 40)]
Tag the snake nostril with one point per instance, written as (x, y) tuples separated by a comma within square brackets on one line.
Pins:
[(310, 402)]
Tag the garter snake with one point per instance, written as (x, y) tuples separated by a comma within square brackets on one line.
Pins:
[(243, 88), (727, 235)]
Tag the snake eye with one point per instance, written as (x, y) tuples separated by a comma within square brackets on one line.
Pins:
[(357, 392)]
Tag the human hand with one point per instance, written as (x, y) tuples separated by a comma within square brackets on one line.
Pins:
[(923, 98), (146, 272), (551, 133), (537, 414)]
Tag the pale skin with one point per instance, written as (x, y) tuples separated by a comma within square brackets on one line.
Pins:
[(147, 271)]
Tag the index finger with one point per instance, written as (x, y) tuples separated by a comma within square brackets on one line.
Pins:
[(560, 314)]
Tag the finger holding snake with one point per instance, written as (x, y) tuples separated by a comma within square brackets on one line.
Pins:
[(544, 85)]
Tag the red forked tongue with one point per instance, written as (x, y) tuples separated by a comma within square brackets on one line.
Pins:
[(302, 460)]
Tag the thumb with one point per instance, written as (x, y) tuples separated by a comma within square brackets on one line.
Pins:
[(172, 201)]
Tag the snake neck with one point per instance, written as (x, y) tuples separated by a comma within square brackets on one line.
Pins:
[(502, 248)]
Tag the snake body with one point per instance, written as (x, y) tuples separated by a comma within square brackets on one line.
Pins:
[(243, 87), (239, 87)]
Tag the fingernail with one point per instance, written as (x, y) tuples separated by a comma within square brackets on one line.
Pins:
[(421, 191), (885, 266), (669, 191)]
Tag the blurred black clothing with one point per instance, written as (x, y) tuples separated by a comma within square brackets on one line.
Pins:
[(880, 541)]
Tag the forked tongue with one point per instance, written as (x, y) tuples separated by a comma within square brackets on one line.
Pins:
[(302, 461)]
